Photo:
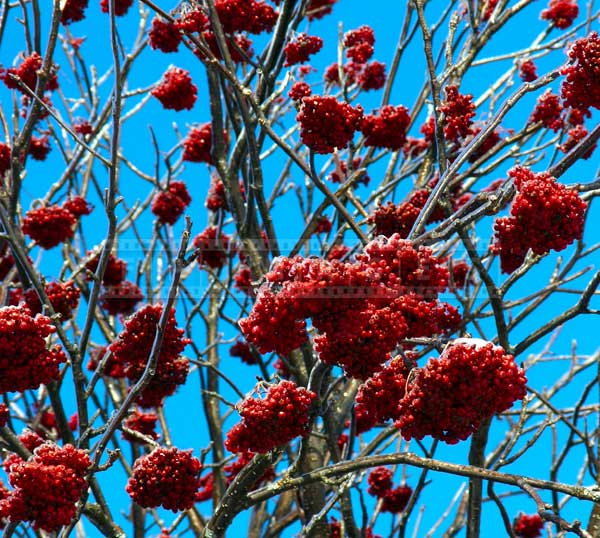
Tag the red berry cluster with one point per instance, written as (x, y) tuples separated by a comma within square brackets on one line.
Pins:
[(242, 281), (164, 35), (380, 481), (301, 48), (362, 309), (561, 13), (299, 90), (73, 11), (359, 49), (242, 350), (271, 421), (487, 144), (212, 250), (528, 71), (377, 398), (27, 73), (548, 111), (39, 148), (327, 124), (78, 206), (581, 87), (317, 9), (544, 216), (121, 298), (197, 145), (386, 129), (47, 487), (244, 458), (239, 47), (169, 205), (115, 272), (576, 134), (359, 44), (5, 154), (25, 361), (216, 198), (121, 6), (4, 415), (134, 344), (471, 380), (528, 526), (144, 423), (63, 296), (112, 367), (380, 486), (176, 90), (245, 16), (458, 111), (166, 477), (49, 226)]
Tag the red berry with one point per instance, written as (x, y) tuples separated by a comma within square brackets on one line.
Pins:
[(176, 90)]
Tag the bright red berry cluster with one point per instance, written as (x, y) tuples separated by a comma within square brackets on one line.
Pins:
[(271, 421), (73, 11), (27, 72), (78, 206), (299, 90), (164, 35), (39, 147), (359, 44), (49, 226), (216, 198), (561, 13), (63, 296), (176, 91), (581, 87), (114, 273), (471, 380), (213, 251), (458, 111), (166, 477), (362, 310), (380, 486), (528, 71), (386, 129), (47, 487), (169, 205), (528, 526), (300, 49), (548, 111), (245, 16), (197, 145), (327, 124), (25, 360), (134, 344), (544, 216), (144, 423)]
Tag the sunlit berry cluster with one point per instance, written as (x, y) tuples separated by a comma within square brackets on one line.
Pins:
[(168, 205), (176, 91), (548, 111), (362, 310), (63, 296), (39, 147), (544, 216), (271, 421), (301, 48), (528, 526), (359, 44), (166, 477), (213, 247), (458, 111), (164, 35), (448, 398), (581, 87), (47, 487), (25, 360), (134, 344), (27, 73), (561, 13), (77, 206), (387, 129), (575, 135), (528, 71), (197, 145), (327, 124)]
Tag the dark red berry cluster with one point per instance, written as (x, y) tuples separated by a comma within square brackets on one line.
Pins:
[(327, 124), (121, 6), (245, 16), (581, 87), (39, 147), (63, 296), (301, 48), (166, 477), (362, 310), (271, 421), (317, 9), (164, 35), (25, 360), (297, 92), (548, 111), (197, 145), (121, 298), (359, 44), (458, 112), (544, 216), (242, 350), (112, 368), (144, 423), (528, 71), (471, 380), (176, 91), (47, 487), (216, 198), (114, 273), (213, 250), (73, 11), (576, 134), (561, 13), (169, 205), (387, 129), (134, 344), (528, 526), (5, 154), (394, 500), (27, 72)]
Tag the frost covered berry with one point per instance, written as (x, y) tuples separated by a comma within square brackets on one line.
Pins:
[(561, 13), (46, 487), (327, 124), (471, 381), (26, 362), (167, 477), (164, 36), (169, 205), (176, 91), (49, 226), (386, 129), (544, 216), (301, 48), (271, 421), (528, 526)]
